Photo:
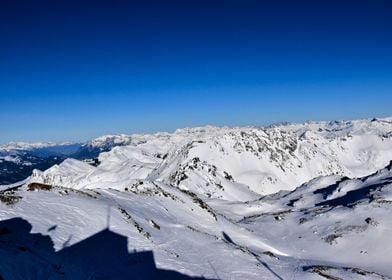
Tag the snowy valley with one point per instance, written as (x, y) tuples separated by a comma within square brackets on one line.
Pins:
[(288, 201)]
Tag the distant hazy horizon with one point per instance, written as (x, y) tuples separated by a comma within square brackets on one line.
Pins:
[(130, 132)]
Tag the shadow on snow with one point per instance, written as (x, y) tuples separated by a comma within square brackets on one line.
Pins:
[(104, 255)]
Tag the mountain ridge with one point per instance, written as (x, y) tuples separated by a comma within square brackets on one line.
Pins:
[(294, 201), (262, 160)]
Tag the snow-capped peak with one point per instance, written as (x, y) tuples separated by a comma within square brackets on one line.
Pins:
[(220, 162)]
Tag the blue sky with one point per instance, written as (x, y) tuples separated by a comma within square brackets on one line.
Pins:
[(73, 70)]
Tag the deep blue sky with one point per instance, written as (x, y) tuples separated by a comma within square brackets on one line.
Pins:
[(73, 70)]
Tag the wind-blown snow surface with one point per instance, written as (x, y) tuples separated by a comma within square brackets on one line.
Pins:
[(229, 203)]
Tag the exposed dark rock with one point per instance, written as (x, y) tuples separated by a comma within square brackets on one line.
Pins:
[(39, 187)]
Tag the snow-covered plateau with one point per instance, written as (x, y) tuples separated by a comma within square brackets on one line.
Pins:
[(289, 201)]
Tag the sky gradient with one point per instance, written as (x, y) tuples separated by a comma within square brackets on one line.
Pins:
[(73, 70)]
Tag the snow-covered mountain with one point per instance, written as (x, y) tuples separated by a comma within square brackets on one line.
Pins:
[(290, 201), (18, 160), (235, 163)]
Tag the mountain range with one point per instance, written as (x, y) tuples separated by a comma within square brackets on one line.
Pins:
[(288, 201)]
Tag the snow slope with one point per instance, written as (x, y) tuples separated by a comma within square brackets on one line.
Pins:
[(293, 201), (331, 226)]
